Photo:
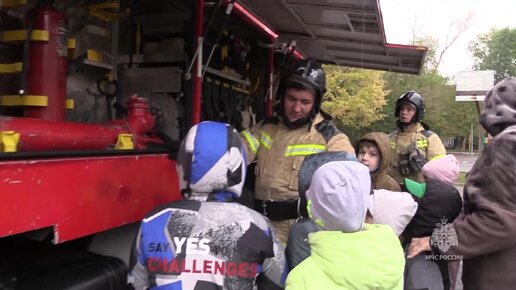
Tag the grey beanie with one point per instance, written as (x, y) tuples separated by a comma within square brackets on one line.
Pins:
[(338, 196)]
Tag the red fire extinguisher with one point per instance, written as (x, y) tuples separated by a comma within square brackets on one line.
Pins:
[(47, 63)]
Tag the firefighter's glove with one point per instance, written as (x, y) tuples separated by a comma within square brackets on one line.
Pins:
[(404, 163), (416, 160)]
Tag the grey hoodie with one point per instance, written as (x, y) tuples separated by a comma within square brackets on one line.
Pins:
[(298, 248), (339, 195)]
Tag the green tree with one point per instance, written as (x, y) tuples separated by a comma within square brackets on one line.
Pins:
[(362, 101), (397, 84), (429, 85), (444, 115), (431, 43), (496, 50), (355, 97)]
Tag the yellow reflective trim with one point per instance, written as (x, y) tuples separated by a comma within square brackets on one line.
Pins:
[(93, 55), (25, 100), (10, 67), (124, 142), (9, 141), (265, 140), (104, 12), (71, 43), (251, 140), (70, 104), (38, 101), (437, 157), (304, 149), (422, 143), (13, 100), (13, 3), (393, 145), (20, 35)]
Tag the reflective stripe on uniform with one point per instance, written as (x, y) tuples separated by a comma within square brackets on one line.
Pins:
[(422, 143), (251, 140), (304, 149), (437, 157), (265, 140), (393, 145)]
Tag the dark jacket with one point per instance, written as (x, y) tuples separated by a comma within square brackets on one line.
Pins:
[(440, 201), (422, 274), (298, 249), (486, 230), (380, 179), (440, 205), (228, 245)]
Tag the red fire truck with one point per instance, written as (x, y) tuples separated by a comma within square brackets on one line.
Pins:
[(96, 95)]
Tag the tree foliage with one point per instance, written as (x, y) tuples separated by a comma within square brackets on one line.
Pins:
[(496, 50), (362, 101), (444, 115), (355, 97), (431, 43)]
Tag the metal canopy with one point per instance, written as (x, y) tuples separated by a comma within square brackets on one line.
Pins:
[(342, 32)]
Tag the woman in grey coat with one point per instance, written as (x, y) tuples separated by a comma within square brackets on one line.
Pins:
[(486, 229)]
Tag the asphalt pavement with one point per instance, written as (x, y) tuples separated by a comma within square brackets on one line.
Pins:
[(466, 160)]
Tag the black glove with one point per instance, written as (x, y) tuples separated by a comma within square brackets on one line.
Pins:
[(404, 163), (416, 160), (411, 160)]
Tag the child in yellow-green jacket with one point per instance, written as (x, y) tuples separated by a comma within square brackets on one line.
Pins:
[(346, 253)]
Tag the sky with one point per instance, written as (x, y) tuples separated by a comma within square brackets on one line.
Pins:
[(435, 17)]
